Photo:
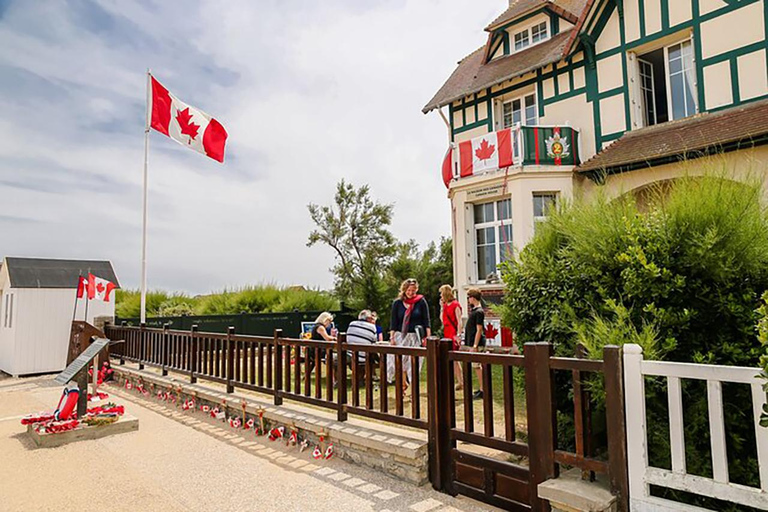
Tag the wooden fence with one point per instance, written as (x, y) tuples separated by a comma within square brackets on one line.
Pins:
[(642, 475), (316, 372)]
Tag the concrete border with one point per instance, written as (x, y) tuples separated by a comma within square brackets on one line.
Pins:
[(401, 455)]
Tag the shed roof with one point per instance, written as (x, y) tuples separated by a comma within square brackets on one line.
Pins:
[(473, 76), (695, 136), (54, 273)]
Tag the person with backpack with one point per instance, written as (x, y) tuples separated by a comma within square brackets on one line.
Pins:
[(450, 315)]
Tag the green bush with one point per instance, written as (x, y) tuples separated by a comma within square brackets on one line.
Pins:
[(249, 299), (682, 275)]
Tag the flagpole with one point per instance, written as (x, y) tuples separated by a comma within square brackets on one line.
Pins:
[(144, 218), (77, 299)]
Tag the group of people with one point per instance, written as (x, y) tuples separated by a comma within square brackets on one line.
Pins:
[(409, 326)]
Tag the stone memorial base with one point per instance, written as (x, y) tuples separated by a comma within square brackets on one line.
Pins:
[(126, 423)]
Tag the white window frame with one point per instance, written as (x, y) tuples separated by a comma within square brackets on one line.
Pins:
[(643, 91), (496, 224), (541, 218), (528, 31), (668, 78), (502, 126), (545, 31)]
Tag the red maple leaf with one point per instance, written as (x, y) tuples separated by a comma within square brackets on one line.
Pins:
[(485, 151), (100, 287), (490, 332), (184, 119)]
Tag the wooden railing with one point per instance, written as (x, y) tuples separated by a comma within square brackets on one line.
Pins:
[(353, 379), (509, 484), (288, 369)]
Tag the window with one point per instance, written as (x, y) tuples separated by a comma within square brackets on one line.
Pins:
[(519, 110), (493, 236), (648, 91), (539, 32), (531, 35), (521, 40), (681, 79), (667, 84), (542, 202)]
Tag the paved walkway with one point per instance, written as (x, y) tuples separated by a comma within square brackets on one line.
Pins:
[(181, 461)]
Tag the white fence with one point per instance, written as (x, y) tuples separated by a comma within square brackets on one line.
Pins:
[(642, 475)]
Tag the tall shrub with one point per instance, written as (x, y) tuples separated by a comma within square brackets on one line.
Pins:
[(682, 275)]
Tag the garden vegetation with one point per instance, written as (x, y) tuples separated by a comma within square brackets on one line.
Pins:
[(679, 269)]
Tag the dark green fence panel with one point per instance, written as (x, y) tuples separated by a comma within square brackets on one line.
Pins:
[(258, 324)]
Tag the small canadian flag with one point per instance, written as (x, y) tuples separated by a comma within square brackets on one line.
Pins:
[(185, 124), (82, 287), (99, 288)]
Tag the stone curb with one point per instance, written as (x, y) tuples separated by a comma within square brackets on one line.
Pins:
[(402, 457)]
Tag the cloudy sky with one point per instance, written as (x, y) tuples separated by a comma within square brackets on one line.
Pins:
[(310, 92)]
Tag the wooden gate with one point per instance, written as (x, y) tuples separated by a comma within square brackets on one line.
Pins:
[(504, 459)]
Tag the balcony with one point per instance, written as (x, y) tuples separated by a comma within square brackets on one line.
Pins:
[(515, 147)]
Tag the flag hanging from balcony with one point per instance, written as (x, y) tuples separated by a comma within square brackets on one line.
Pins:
[(186, 125), (486, 153), (550, 145)]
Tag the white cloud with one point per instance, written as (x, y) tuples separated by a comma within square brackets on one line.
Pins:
[(309, 92)]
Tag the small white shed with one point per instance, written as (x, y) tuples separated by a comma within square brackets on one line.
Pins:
[(37, 302)]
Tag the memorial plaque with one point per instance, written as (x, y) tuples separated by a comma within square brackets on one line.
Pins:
[(81, 361)]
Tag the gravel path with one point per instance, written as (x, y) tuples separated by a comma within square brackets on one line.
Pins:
[(182, 462)]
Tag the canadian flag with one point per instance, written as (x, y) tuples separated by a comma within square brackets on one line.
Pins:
[(99, 288), (82, 287), (485, 153), (186, 125)]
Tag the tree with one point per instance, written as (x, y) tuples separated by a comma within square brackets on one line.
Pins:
[(357, 228), (432, 268)]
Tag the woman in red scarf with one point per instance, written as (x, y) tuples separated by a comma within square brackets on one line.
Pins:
[(409, 324)]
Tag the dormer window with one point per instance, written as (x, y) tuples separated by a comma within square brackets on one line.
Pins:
[(539, 32), (531, 35), (521, 40)]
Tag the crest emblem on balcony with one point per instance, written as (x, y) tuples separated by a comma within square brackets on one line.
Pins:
[(557, 146)]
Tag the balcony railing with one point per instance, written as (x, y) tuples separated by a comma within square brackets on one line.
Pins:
[(538, 145)]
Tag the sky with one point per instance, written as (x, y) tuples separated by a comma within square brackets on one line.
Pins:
[(309, 92)]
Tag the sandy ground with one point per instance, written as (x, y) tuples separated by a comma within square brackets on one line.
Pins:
[(182, 462)]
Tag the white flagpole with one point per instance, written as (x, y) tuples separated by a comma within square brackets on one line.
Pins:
[(144, 220)]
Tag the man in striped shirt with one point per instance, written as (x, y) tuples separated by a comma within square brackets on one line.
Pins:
[(362, 331)]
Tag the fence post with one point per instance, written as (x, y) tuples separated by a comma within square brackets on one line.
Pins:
[(277, 365), (637, 450), (194, 351), (142, 344), (164, 356), (541, 419), (230, 359), (439, 414), (341, 376), (615, 425)]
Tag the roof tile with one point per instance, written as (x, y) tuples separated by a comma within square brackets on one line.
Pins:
[(684, 138), (472, 75)]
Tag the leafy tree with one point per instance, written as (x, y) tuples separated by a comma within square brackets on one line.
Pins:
[(357, 228), (432, 267)]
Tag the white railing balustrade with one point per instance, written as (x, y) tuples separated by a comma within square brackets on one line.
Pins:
[(642, 475)]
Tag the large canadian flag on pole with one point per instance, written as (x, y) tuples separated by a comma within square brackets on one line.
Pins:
[(185, 124)]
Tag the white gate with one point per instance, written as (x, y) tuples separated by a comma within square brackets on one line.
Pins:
[(641, 475)]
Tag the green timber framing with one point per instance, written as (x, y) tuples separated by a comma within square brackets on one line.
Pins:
[(500, 35), (586, 50)]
